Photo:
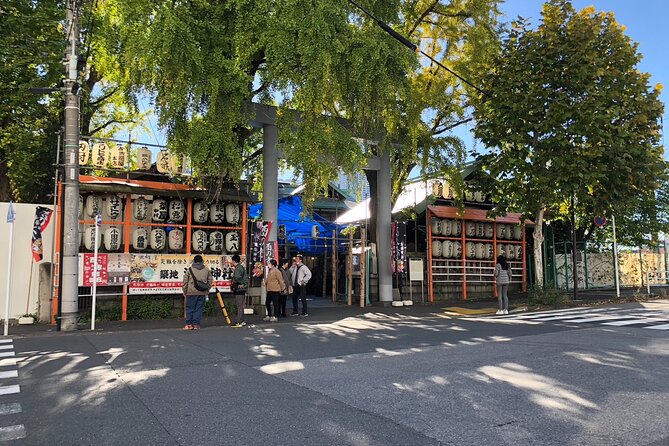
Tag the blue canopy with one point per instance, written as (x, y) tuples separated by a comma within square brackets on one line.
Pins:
[(298, 228)]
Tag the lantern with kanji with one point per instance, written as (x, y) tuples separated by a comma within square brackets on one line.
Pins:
[(437, 189), (118, 156), (447, 191), (113, 207), (447, 249), (93, 205), (157, 239), (163, 161), (100, 154), (199, 240), (143, 158), (232, 213), (217, 213), (159, 210), (84, 153), (446, 227), (176, 210), (200, 212), (232, 241), (140, 239), (435, 226), (141, 209), (112, 238), (89, 238), (436, 248), (216, 241), (175, 239)]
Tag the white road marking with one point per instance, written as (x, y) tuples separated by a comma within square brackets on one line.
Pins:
[(4, 362), (10, 408), (9, 374), (659, 327), (8, 390), (635, 321), (6, 354), (12, 432), (5, 341), (6, 347)]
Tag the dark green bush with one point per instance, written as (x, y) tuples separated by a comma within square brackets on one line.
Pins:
[(150, 308), (546, 296)]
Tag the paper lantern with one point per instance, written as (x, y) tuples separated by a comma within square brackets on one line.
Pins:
[(232, 213), (470, 248), (175, 239), (175, 164), (489, 230), (457, 250), (446, 227), (480, 251), (113, 207), (157, 239), (436, 248), (200, 212), (232, 242), (163, 161), (216, 241), (112, 238), (93, 205), (140, 239), (470, 229), (118, 156), (469, 195), (143, 158), (89, 238), (315, 232), (501, 251), (141, 208), (479, 197), (217, 213), (176, 210), (489, 251), (84, 153), (100, 154), (501, 231), (480, 229), (517, 232), (437, 189), (159, 210), (510, 252), (435, 226), (519, 252), (199, 240), (456, 229), (447, 191), (447, 249)]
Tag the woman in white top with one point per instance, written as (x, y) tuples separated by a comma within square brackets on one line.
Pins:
[(502, 279)]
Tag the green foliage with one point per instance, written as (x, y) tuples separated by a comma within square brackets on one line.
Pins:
[(154, 308), (546, 296)]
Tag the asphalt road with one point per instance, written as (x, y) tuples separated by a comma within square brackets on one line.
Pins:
[(383, 377)]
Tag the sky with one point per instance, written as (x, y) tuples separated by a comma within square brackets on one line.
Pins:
[(647, 23)]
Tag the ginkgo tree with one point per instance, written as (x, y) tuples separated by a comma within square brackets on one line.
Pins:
[(569, 119)]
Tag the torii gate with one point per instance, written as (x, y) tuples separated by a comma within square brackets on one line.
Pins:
[(264, 116)]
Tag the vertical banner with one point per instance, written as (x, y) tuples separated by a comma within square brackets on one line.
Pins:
[(399, 247), (42, 217), (259, 234)]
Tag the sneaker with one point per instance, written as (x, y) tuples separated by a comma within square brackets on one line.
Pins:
[(305, 315), (267, 319), (273, 319), (196, 327), (294, 314), (242, 323), (188, 327), (500, 312), (506, 311)]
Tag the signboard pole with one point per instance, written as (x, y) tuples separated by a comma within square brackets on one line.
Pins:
[(11, 216), (98, 222), (615, 256)]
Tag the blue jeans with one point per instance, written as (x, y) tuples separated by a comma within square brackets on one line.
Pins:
[(194, 309)]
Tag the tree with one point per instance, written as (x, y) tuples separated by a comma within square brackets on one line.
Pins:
[(569, 115)]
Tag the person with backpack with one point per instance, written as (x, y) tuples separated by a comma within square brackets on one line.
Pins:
[(502, 279), (240, 282), (274, 285), (196, 285), (300, 275)]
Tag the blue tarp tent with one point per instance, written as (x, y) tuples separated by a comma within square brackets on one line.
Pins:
[(298, 229)]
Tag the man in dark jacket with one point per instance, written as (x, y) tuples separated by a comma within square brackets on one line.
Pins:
[(240, 281), (195, 297)]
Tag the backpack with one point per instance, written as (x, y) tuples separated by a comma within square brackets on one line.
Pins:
[(199, 285)]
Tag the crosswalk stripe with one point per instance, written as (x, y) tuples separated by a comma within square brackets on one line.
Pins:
[(6, 346), (5, 341), (4, 362), (597, 319), (10, 408), (15, 432), (635, 321), (6, 354), (659, 327), (9, 374), (8, 390)]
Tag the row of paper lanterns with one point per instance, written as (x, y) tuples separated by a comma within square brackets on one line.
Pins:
[(475, 250), (160, 210), (158, 238), (103, 155), (444, 190), (478, 229)]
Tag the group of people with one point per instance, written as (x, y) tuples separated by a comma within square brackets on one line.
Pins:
[(280, 282)]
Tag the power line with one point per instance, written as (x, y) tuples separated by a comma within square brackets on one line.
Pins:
[(413, 47)]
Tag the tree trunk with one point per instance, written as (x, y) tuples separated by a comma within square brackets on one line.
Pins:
[(5, 185), (371, 223), (538, 248)]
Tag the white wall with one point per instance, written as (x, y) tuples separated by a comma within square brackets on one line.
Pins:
[(19, 300)]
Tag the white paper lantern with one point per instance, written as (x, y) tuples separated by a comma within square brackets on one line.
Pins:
[(457, 250), (501, 251), (232, 213), (437, 189), (93, 205), (200, 212), (489, 230), (519, 252), (84, 153), (479, 197), (470, 229), (489, 251), (100, 154), (157, 239), (501, 231), (447, 249), (456, 228), (517, 232), (447, 191), (118, 156), (216, 241), (315, 232), (175, 239), (469, 195), (113, 207), (143, 158), (89, 238), (159, 210), (112, 238), (199, 240), (232, 242), (446, 227), (163, 161), (480, 251), (480, 229), (217, 213), (175, 164), (510, 252), (470, 248), (176, 210), (140, 239), (436, 248), (435, 226), (141, 208)]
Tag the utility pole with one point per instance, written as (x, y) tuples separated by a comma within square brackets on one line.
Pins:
[(70, 249)]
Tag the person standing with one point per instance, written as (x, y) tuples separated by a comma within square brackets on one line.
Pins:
[(196, 285), (502, 279), (283, 296), (300, 275), (240, 281), (274, 285)]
